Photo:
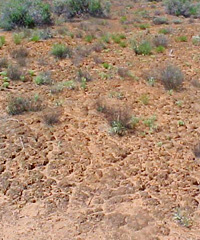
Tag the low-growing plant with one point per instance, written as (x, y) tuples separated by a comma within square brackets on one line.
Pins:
[(44, 78), (20, 53), (19, 105), (14, 72), (160, 20), (160, 49), (144, 26), (143, 48), (89, 38), (144, 99), (61, 51), (182, 218), (165, 31), (2, 41), (172, 77), (3, 63), (51, 117), (17, 38), (81, 74), (151, 123), (71, 85), (160, 40), (196, 40), (182, 39)]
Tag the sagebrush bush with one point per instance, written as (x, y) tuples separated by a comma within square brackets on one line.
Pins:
[(160, 20), (19, 105), (61, 51), (172, 77), (51, 117), (185, 8), (71, 8), (160, 40), (24, 13), (14, 72)]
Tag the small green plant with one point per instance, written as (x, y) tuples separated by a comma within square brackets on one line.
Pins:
[(144, 26), (17, 38), (35, 37), (117, 95), (105, 38), (182, 218), (106, 65), (143, 48), (182, 39), (2, 41), (159, 144), (181, 123), (123, 19), (117, 127), (123, 44), (69, 85), (43, 78), (165, 31), (144, 99), (89, 38), (116, 39), (151, 81), (61, 51), (133, 122), (179, 103), (150, 123), (160, 49), (83, 83), (196, 40)]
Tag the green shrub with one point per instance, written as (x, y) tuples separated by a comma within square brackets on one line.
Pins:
[(61, 51), (160, 49), (24, 13), (143, 48)]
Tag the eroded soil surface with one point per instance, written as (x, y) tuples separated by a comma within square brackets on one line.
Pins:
[(76, 181)]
